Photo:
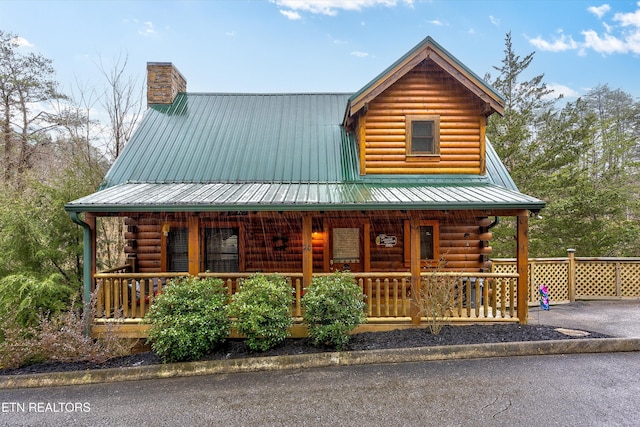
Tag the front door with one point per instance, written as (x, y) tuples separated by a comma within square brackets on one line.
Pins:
[(346, 248)]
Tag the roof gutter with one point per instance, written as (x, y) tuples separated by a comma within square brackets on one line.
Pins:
[(87, 256)]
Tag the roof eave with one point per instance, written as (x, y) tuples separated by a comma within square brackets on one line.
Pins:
[(292, 207)]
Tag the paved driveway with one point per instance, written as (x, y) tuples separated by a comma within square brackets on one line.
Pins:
[(616, 318), (564, 390)]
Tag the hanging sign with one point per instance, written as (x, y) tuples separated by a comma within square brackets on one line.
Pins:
[(386, 241)]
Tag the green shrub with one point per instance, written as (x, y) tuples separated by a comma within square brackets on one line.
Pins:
[(188, 319), (262, 311), (24, 298), (333, 306)]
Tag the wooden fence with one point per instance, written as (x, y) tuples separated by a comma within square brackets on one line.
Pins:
[(578, 278)]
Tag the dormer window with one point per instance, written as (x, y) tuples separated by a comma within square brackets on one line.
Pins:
[(423, 135)]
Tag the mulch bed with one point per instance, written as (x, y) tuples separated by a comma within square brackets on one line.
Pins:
[(403, 338)]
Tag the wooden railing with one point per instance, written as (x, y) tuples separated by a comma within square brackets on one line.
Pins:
[(578, 278), (128, 295), (388, 296)]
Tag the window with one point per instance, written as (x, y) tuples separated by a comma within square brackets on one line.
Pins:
[(426, 242), (423, 135), (221, 250), (178, 250), (429, 243)]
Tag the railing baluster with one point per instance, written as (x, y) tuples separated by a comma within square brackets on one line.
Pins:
[(403, 284), (386, 297), (459, 303), (298, 298), (141, 293), (467, 289), (395, 297), (494, 297), (107, 299), (125, 298), (484, 288), (503, 298), (511, 298), (370, 293), (378, 298)]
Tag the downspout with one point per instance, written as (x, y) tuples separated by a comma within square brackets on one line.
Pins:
[(494, 223), (86, 270)]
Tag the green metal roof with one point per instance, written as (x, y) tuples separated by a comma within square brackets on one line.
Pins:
[(265, 196), (273, 152), (259, 152), (240, 137)]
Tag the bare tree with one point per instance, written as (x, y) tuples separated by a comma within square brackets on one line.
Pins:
[(123, 103)]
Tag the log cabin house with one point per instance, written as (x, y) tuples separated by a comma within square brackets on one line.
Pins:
[(390, 183)]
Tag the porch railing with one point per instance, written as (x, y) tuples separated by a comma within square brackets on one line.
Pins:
[(388, 296)]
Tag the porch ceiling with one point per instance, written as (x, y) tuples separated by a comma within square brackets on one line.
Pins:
[(261, 196)]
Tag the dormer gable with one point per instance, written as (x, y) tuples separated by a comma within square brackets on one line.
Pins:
[(424, 114)]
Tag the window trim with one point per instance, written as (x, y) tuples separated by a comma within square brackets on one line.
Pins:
[(204, 249), (167, 226), (409, 137), (436, 243)]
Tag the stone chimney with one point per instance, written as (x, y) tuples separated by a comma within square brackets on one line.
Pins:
[(164, 81)]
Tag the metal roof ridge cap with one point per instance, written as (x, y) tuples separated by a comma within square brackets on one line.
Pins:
[(264, 93)]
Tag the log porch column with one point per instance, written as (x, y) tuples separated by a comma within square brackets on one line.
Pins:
[(194, 245), (307, 250), (522, 262), (416, 294)]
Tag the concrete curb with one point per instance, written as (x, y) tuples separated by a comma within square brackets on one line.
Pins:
[(316, 360)]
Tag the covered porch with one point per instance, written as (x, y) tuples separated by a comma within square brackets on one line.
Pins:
[(384, 250)]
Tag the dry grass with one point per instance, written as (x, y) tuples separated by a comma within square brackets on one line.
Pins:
[(60, 338)]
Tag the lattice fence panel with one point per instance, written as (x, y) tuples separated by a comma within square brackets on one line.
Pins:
[(595, 279), (511, 268), (554, 276), (629, 279)]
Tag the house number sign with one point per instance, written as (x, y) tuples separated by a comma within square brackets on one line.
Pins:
[(386, 240)]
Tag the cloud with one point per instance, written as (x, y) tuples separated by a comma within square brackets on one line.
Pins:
[(437, 22), (606, 44), (628, 19), (599, 11), (331, 7), (559, 44), (621, 36), (558, 89), (359, 54), (495, 21), (147, 30), (21, 42), (291, 14)]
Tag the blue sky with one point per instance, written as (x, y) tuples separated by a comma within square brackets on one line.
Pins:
[(329, 45)]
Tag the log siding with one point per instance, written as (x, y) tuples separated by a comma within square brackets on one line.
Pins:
[(274, 242), (425, 91)]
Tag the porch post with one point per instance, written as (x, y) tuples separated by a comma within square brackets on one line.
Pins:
[(572, 275), (88, 261), (416, 294), (194, 245), (522, 266), (307, 250)]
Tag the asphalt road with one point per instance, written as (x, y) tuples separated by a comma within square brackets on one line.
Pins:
[(585, 390)]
